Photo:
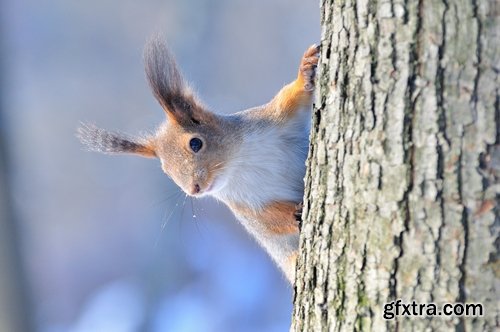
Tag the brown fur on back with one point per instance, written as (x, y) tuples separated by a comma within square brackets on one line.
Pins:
[(277, 217)]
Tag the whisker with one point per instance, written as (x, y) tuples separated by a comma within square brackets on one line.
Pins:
[(166, 220), (192, 209), (196, 221), (182, 217), (164, 224), (166, 199), (218, 164)]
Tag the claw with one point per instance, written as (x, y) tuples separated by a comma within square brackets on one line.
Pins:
[(298, 214), (308, 66), (298, 211)]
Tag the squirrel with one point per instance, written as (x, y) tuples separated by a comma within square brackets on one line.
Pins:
[(253, 160)]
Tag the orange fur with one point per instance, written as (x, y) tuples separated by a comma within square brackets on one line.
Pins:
[(292, 98), (147, 149), (297, 94), (277, 217)]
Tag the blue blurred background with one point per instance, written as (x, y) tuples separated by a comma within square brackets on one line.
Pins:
[(99, 243)]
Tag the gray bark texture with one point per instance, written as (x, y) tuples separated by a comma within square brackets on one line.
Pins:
[(402, 188)]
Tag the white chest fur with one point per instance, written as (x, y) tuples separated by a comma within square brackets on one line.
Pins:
[(269, 164)]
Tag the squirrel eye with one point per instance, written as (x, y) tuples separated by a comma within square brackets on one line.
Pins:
[(195, 144)]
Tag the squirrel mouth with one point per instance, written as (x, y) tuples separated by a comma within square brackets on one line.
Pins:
[(212, 186), (197, 190)]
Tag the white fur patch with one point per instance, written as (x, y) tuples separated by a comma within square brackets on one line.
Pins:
[(269, 166)]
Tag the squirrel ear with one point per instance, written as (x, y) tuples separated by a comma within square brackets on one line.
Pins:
[(168, 85), (100, 140)]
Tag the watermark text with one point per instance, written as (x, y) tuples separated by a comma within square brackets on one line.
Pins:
[(399, 308)]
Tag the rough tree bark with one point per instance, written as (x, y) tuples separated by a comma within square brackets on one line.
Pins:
[(402, 189)]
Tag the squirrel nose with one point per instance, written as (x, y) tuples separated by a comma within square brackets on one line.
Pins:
[(196, 188)]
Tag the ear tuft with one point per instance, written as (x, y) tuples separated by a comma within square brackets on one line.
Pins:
[(168, 86), (100, 140), (162, 73)]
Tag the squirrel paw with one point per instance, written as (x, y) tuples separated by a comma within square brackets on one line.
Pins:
[(307, 69), (298, 213)]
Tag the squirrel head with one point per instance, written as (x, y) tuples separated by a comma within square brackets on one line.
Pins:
[(193, 144)]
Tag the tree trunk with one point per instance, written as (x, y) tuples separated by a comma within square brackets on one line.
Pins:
[(402, 188)]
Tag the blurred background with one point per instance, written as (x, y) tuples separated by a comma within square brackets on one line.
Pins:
[(90, 242)]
